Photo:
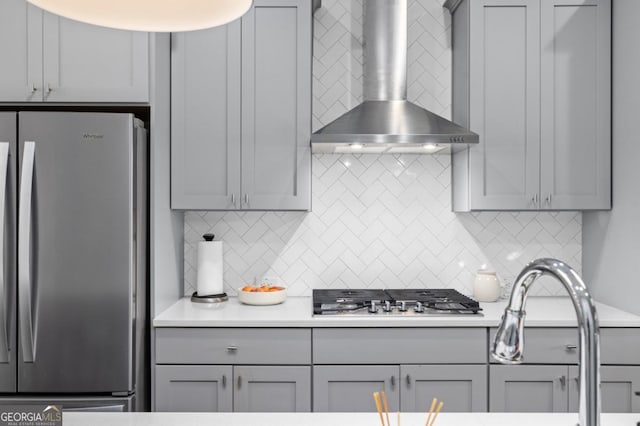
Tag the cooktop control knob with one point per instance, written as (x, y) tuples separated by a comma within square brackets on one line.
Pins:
[(373, 308), (402, 306), (419, 308), (387, 306)]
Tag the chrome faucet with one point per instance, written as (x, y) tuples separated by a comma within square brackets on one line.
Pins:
[(509, 341)]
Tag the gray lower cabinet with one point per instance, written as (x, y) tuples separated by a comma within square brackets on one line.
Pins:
[(350, 388), (528, 388), (265, 389), (194, 388), (532, 78), (217, 388), (620, 389), (463, 387), (241, 112), (554, 388), (341, 388)]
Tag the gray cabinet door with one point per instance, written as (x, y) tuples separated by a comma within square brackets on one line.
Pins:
[(504, 104), (268, 389), (193, 388), (576, 104), (87, 63), (463, 387), (350, 388), (205, 119), (276, 106), (620, 389), (528, 388), (21, 51)]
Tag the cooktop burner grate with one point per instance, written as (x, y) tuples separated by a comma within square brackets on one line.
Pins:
[(393, 302)]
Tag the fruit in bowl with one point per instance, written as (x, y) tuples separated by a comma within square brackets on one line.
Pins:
[(262, 295)]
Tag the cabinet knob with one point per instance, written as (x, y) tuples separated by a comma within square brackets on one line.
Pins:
[(563, 381)]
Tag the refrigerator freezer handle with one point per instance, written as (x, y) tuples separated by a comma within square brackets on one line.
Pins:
[(4, 320), (24, 252)]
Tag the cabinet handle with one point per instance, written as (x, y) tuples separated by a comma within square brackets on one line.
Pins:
[(246, 198), (393, 381), (408, 380), (563, 381), (232, 348), (48, 88), (548, 199), (636, 393), (239, 381), (571, 348), (224, 380), (34, 89), (233, 199), (577, 380), (534, 200)]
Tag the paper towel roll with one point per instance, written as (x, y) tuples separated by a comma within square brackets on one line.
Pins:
[(210, 268)]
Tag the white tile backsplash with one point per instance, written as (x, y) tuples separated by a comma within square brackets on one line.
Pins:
[(381, 221)]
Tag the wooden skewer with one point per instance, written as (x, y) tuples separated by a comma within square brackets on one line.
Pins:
[(376, 396), (436, 414), (433, 406), (386, 407)]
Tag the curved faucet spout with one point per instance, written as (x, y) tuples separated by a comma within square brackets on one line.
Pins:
[(508, 345)]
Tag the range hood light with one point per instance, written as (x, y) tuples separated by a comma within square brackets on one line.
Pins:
[(149, 15), (432, 147), (355, 146)]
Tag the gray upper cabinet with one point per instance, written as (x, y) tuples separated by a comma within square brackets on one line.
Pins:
[(532, 78), (268, 389), (575, 64), (52, 59), (205, 118), (241, 112)]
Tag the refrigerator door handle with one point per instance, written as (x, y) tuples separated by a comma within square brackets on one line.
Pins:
[(24, 252), (4, 333)]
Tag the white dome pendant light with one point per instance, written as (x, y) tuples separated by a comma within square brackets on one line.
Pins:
[(149, 15)]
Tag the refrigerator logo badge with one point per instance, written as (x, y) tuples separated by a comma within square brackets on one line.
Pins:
[(92, 137), (30, 415)]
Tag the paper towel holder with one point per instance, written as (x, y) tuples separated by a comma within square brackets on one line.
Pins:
[(210, 298)]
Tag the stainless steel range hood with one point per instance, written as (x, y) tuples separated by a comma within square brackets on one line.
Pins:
[(386, 122)]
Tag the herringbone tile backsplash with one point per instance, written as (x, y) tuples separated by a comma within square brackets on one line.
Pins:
[(380, 221)]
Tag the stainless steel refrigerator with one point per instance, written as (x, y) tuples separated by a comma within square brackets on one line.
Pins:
[(73, 267)]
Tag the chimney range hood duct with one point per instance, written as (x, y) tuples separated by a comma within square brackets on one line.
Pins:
[(386, 122)]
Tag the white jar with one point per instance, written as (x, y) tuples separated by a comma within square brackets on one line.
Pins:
[(486, 287)]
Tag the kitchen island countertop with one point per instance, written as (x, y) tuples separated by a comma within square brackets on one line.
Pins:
[(335, 419), (297, 312)]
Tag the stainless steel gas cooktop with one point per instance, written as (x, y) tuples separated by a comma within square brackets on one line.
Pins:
[(405, 302)]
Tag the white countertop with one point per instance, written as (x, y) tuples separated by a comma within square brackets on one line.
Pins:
[(297, 312), (333, 419)]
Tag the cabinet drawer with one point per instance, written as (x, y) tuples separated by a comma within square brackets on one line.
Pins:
[(273, 346), (553, 345), (399, 346)]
